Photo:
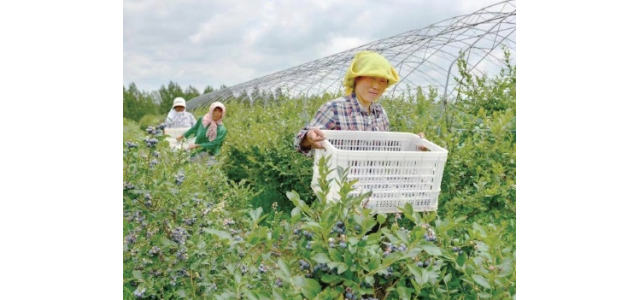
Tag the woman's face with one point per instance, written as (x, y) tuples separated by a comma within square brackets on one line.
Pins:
[(179, 108), (216, 115), (369, 88)]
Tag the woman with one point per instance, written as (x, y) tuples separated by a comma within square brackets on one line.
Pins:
[(178, 117), (210, 133), (369, 75)]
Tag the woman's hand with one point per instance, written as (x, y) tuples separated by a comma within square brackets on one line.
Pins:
[(313, 139), (422, 148), (193, 146), (180, 137)]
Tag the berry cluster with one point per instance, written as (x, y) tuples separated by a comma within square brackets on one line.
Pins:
[(179, 179), (139, 293), (262, 268), (179, 235), (132, 145), (154, 250), (338, 228), (130, 238), (307, 234), (424, 264), (128, 186), (189, 221), (430, 236), (393, 248), (303, 265), (182, 254), (151, 142), (226, 222)]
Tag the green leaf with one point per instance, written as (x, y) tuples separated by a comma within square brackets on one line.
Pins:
[(219, 233), (403, 237), (479, 229), (255, 214), (413, 252), (404, 293), (284, 268), (429, 248), (374, 262), (408, 211), (381, 218), (237, 276), (484, 295), (341, 268), (417, 273), (277, 294), (167, 242), (321, 258), (298, 281), (330, 279), (137, 275), (335, 255), (250, 294), (294, 197), (348, 260), (481, 281), (295, 215), (311, 288), (462, 258), (181, 293), (447, 278)]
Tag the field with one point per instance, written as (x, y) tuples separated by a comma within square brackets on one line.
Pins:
[(250, 226)]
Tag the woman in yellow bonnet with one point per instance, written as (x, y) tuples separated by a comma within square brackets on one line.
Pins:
[(369, 75)]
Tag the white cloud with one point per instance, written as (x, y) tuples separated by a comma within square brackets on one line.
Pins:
[(202, 43)]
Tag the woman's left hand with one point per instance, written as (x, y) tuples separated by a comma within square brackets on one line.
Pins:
[(193, 146), (422, 148)]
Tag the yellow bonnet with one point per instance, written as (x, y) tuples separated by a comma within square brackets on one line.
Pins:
[(367, 63)]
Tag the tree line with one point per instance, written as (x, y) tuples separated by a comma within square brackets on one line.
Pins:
[(137, 103)]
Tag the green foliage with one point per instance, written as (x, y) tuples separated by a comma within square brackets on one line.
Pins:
[(260, 151), (150, 120), (136, 103), (250, 227), (185, 238), (168, 94)]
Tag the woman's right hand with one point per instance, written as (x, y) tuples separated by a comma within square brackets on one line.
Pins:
[(180, 137), (313, 139)]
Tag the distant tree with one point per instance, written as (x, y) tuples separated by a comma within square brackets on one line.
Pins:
[(136, 104), (168, 94), (191, 92), (207, 89)]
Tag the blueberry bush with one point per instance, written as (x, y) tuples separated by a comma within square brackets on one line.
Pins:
[(250, 227)]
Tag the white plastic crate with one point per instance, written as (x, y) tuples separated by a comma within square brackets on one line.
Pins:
[(389, 164), (173, 134)]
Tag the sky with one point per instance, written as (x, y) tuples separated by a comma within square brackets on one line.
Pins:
[(211, 43)]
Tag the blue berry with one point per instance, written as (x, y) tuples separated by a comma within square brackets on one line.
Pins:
[(343, 244), (139, 293), (262, 268)]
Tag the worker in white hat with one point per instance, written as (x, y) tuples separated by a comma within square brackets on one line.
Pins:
[(178, 117)]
